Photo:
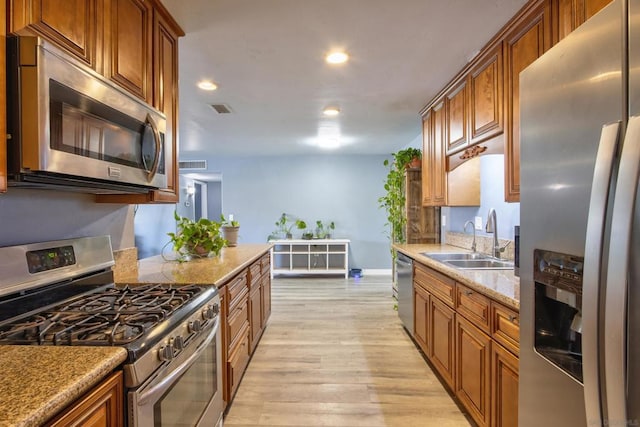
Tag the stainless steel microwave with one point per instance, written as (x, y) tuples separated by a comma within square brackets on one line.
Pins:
[(72, 129)]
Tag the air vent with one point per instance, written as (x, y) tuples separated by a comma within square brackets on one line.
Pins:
[(221, 108), (193, 165)]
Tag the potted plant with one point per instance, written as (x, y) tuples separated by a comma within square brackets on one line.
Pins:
[(283, 229), (409, 158), (301, 225), (196, 239), (322, 231), (230, 231)]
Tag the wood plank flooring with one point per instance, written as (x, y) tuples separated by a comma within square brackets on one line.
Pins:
[(334, 354)]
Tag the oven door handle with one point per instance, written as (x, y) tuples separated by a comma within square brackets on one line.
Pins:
[(167, 381), (157, 140)]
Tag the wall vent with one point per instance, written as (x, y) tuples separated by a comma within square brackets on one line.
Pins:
[(221, 108), (193, 165)]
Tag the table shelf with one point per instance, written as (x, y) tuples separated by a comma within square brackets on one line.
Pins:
[(316, 256)]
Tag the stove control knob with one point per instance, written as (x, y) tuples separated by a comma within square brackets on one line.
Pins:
[(210, 311), (177, 343), (194, 326), (165, 353), (216, 309)]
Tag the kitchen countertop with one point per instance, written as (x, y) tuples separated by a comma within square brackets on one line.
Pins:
[(40, 381), (501, 285), (200, 271)]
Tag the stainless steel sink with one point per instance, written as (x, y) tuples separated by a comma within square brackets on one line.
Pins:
[(480, 264), (470, 260)]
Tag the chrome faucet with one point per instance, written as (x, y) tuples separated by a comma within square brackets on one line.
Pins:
[(492, 227), (473, 227)]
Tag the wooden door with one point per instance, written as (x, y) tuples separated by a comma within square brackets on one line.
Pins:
[(524, 43), (573, 13), (427, 159), (266, 298), (438, 165), (255, 315), (130, 42), (485, 92), (473, 370), (442, 340), (421, 310), (74, 25), (504, 387), (3, 99), (456, 117)]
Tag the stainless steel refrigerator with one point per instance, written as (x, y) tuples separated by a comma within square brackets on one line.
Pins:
[(580, 227)]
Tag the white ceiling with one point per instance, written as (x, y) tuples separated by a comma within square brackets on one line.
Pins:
[(267, 58)]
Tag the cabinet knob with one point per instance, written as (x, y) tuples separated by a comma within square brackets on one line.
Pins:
[(513, 318), (468, 293)]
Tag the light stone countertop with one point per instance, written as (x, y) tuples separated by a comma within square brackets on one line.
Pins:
[(501, 285), (201, 271), (39, 381)]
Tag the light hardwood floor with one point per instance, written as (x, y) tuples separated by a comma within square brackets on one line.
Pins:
[(334, 354)]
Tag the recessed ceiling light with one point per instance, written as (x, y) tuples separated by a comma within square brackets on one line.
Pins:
[(207, 85), (337, 57), (328, 143), (331, 111)]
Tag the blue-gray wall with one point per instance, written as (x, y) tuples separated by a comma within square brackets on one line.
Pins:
[(28, 216), (491, 196), (257, 190)]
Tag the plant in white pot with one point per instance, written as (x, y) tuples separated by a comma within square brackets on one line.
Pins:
[(196, 239), (230, 230)]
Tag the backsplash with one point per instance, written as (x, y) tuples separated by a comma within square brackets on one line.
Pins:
[(484, 244)]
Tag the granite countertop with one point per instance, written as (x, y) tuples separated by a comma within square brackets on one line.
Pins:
[(202, 271), (501, 285), (40, 381)]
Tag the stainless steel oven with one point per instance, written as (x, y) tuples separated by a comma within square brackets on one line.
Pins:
[(62, 293), (72, 128)]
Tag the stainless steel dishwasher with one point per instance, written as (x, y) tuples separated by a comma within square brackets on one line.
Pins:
[(404, 279)]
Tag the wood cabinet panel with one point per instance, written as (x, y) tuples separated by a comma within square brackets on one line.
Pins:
[(266, 298), (442, 340), (527, 40), (504, 388), (238, 319), (473, 370), (130, 30), (436, 283), (421, 309), (238, 360), (434, 170), (573, 13), (236, 287), (255, 316), (474, 306), (74, 25), (505, 327), (485, 91), (456, 117), (100, 407), (3, 99)]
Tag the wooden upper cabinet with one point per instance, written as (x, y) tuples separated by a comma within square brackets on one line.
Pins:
[(130, 42), (456, 117), (526, 41), (485, 92), (434, 172), (74, 25), (573, 13)]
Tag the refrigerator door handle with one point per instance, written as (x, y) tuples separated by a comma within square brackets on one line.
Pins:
[(593, 259), (615, 315)]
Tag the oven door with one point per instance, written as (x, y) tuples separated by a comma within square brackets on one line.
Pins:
[(187, 391)]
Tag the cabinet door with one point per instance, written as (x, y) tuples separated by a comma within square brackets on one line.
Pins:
[(265, 289), (504, 388), (130, 42), (473, 370), (442, 345), (255, 316), (420, 323), (101, 407), (485, 91), (456, 117), (3, 98), (528, 39), (573, 13), (427, 159), (73, 25)]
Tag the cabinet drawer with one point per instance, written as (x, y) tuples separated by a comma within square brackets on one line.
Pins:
[(505, 327), (474, 306), (254, 274), (236, 287), (265, 264), (438, 284), (237, 319), (238, 362)]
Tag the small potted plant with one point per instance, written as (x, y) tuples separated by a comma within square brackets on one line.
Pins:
[(230, 230), (196, 239), (408, 158), (322, 231), (283, 228), (301, 225)]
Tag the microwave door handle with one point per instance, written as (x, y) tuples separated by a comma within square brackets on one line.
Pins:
[(616, 313), (167, 381), (151, 173), (593, 254)]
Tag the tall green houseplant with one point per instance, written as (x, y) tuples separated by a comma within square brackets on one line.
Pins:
[(393, 202)]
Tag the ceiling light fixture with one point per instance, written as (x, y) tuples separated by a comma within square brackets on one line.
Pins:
[(337, 57), (207, 85), (331, 111), (328, 143)]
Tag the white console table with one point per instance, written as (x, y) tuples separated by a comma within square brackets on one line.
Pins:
[(315, 256)]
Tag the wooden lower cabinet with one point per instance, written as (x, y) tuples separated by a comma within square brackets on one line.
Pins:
[(100, 407), (473, 370), (265, 288), (420, 326), (240, 353), (441, 320), (504, 390), (255, 313)]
